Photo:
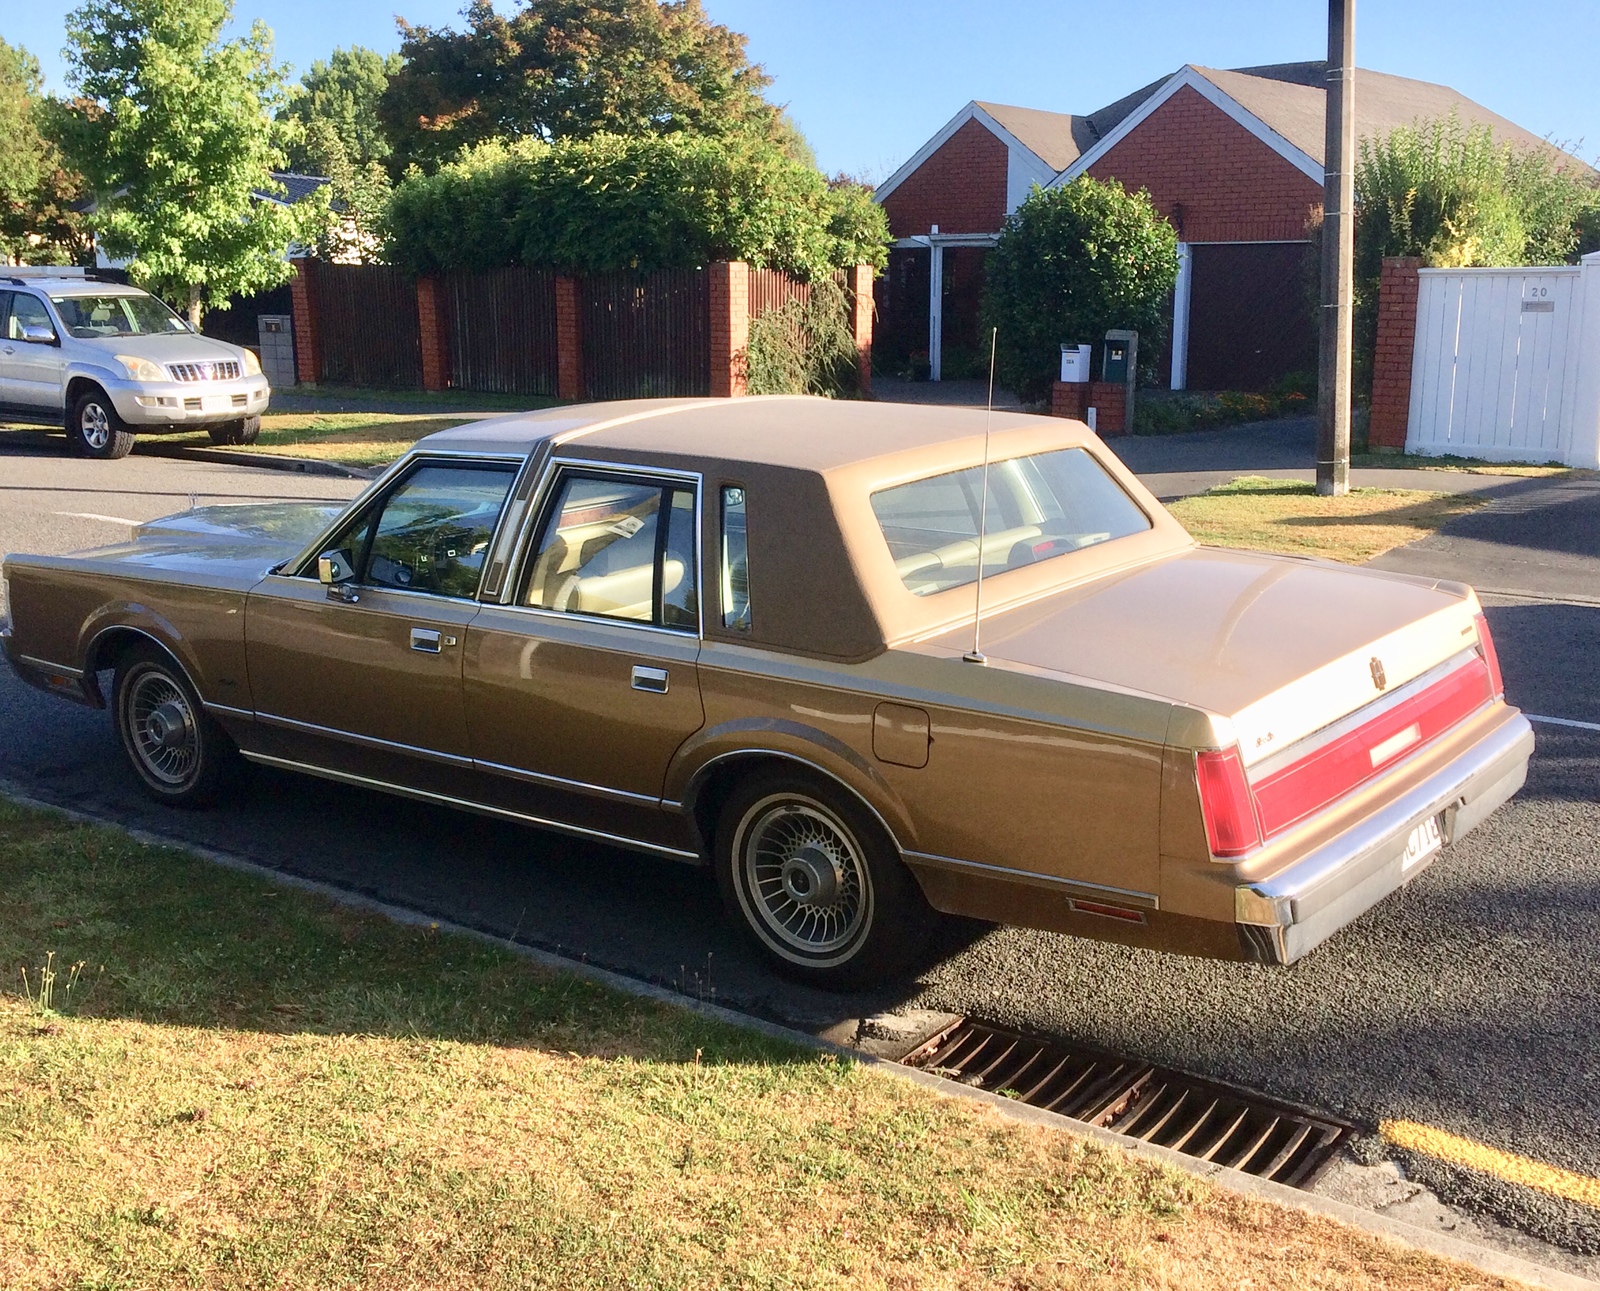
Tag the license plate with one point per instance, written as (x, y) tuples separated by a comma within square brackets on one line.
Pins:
[(1425, 840)]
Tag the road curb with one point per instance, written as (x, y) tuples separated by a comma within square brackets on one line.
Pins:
[(1484, 1259), (262, 461)]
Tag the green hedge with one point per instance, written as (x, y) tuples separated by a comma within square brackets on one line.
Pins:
[(614, 202)]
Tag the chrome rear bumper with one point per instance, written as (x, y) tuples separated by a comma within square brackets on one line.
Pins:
[(1283, 917)]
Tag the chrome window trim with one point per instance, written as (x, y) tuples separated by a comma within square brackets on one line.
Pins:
[(369, 741), (575, 616), (1308, 744), (544, 495), (296, 568), (560, 782), (1068, 887), (467, 804)]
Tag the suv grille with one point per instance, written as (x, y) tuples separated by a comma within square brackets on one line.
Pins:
[(224, 370)]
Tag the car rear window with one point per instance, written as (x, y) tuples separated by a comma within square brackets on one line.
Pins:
[(1040, 507)]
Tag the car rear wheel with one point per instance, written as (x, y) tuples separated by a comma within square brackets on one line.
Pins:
[(95, 429), (181, 756), (246, 430), (814, 881)]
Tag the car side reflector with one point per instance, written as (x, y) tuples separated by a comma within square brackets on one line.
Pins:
[(1490, 656), (1226, 802)]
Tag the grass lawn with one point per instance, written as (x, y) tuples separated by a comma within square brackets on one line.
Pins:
[(1470, 465), (353, 438), (1288, 516), (246, 1086)]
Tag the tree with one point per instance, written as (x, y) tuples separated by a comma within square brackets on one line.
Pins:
[(343, 93), (1071, 263), (642, 202), (37, 191), (358, 197), (560, 69), (175, 130)]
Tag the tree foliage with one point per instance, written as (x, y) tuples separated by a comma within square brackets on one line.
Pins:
[(37, 190), (1071, 263), (558, 69), (645, 202), (174, 130), (805, 346), (341, 96)]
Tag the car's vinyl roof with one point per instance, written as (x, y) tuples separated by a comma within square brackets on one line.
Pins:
[(797, 431)]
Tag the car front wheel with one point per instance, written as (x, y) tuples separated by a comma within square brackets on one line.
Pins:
[(181, 756), (95, 429), (813, 879), (246, 430)]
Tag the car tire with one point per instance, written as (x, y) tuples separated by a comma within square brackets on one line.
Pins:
[(243, 431), (180, 754), (95, 429), (814, 881)]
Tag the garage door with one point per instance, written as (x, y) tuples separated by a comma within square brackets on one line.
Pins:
[(1251, 317)]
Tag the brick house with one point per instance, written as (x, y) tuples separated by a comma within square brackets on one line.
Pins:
[(1233, 159)]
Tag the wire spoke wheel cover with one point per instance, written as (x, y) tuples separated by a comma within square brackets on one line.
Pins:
[(803, 880), (94, 424), (163, 734)]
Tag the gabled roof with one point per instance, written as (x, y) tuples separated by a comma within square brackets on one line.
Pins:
[(296, 187), (1056, 138)]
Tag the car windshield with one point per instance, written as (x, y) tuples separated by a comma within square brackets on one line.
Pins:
[(90, 316), (1040, 507)]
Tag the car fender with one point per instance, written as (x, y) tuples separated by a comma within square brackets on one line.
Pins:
[(139, 620), (700, 757)]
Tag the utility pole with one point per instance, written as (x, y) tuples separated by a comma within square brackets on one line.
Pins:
[(1338, 255)]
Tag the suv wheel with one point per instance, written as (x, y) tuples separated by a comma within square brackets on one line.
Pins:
[(812, 878), (95, 429), (244, 431), (182, 757)]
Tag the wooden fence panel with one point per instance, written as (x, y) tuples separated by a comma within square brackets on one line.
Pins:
[(500, 327), (646, 335), (367, 326)]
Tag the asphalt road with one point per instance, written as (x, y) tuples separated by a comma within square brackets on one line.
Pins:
[(1467, 1002)]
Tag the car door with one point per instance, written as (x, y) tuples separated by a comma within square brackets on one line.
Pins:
[(586, 685), (30, 371), (364, 675)]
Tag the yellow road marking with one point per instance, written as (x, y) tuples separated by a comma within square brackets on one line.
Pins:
[(1456, 1150)]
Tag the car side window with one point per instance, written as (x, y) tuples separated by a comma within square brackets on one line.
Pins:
[(735, 562), (432, 532), (26, 311), (618, 548)]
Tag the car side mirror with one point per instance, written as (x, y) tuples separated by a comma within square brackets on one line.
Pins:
[(38, 335), (333, 568)]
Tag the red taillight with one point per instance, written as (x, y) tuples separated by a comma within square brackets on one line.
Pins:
[(1486, 649), (1225, 802)]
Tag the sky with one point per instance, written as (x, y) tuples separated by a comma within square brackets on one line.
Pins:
[(870, 80)]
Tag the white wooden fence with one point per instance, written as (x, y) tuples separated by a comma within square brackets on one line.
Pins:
[(1506, 365)]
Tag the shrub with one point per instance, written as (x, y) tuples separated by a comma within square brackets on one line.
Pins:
[(1072, 262), (610, 202), (804, 347)]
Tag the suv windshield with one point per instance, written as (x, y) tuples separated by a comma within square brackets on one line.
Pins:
[(90, 316), (1039, 507)]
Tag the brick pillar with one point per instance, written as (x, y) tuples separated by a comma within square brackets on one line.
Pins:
[(1069, 399), (569, 341), (1109, 399), (730, 327), (307, 340), (430, 321), (858, 282), (1391, 360)]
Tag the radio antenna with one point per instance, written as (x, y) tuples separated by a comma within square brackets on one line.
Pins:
[(976, 655)]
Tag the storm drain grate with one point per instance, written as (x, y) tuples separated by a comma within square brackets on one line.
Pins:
[(1199, 1118)]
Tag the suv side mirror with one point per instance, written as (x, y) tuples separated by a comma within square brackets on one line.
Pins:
[(38, 335)]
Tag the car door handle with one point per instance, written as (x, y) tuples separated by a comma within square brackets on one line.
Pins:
[(9, 350), (426, 640), (651, 679)]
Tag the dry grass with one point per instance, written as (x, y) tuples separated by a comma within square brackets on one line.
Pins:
[(252, 1088), (1465, 465), (1288, 516), (353, 438)]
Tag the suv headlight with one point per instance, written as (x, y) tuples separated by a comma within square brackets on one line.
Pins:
[(141, 369), (252, 365)]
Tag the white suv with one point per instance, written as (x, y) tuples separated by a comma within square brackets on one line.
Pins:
[(108, 361)]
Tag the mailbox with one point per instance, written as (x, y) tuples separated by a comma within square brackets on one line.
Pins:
[(1075, 363), (1119, 354)]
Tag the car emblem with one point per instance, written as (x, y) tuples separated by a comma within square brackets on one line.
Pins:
[(1378, 678)]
